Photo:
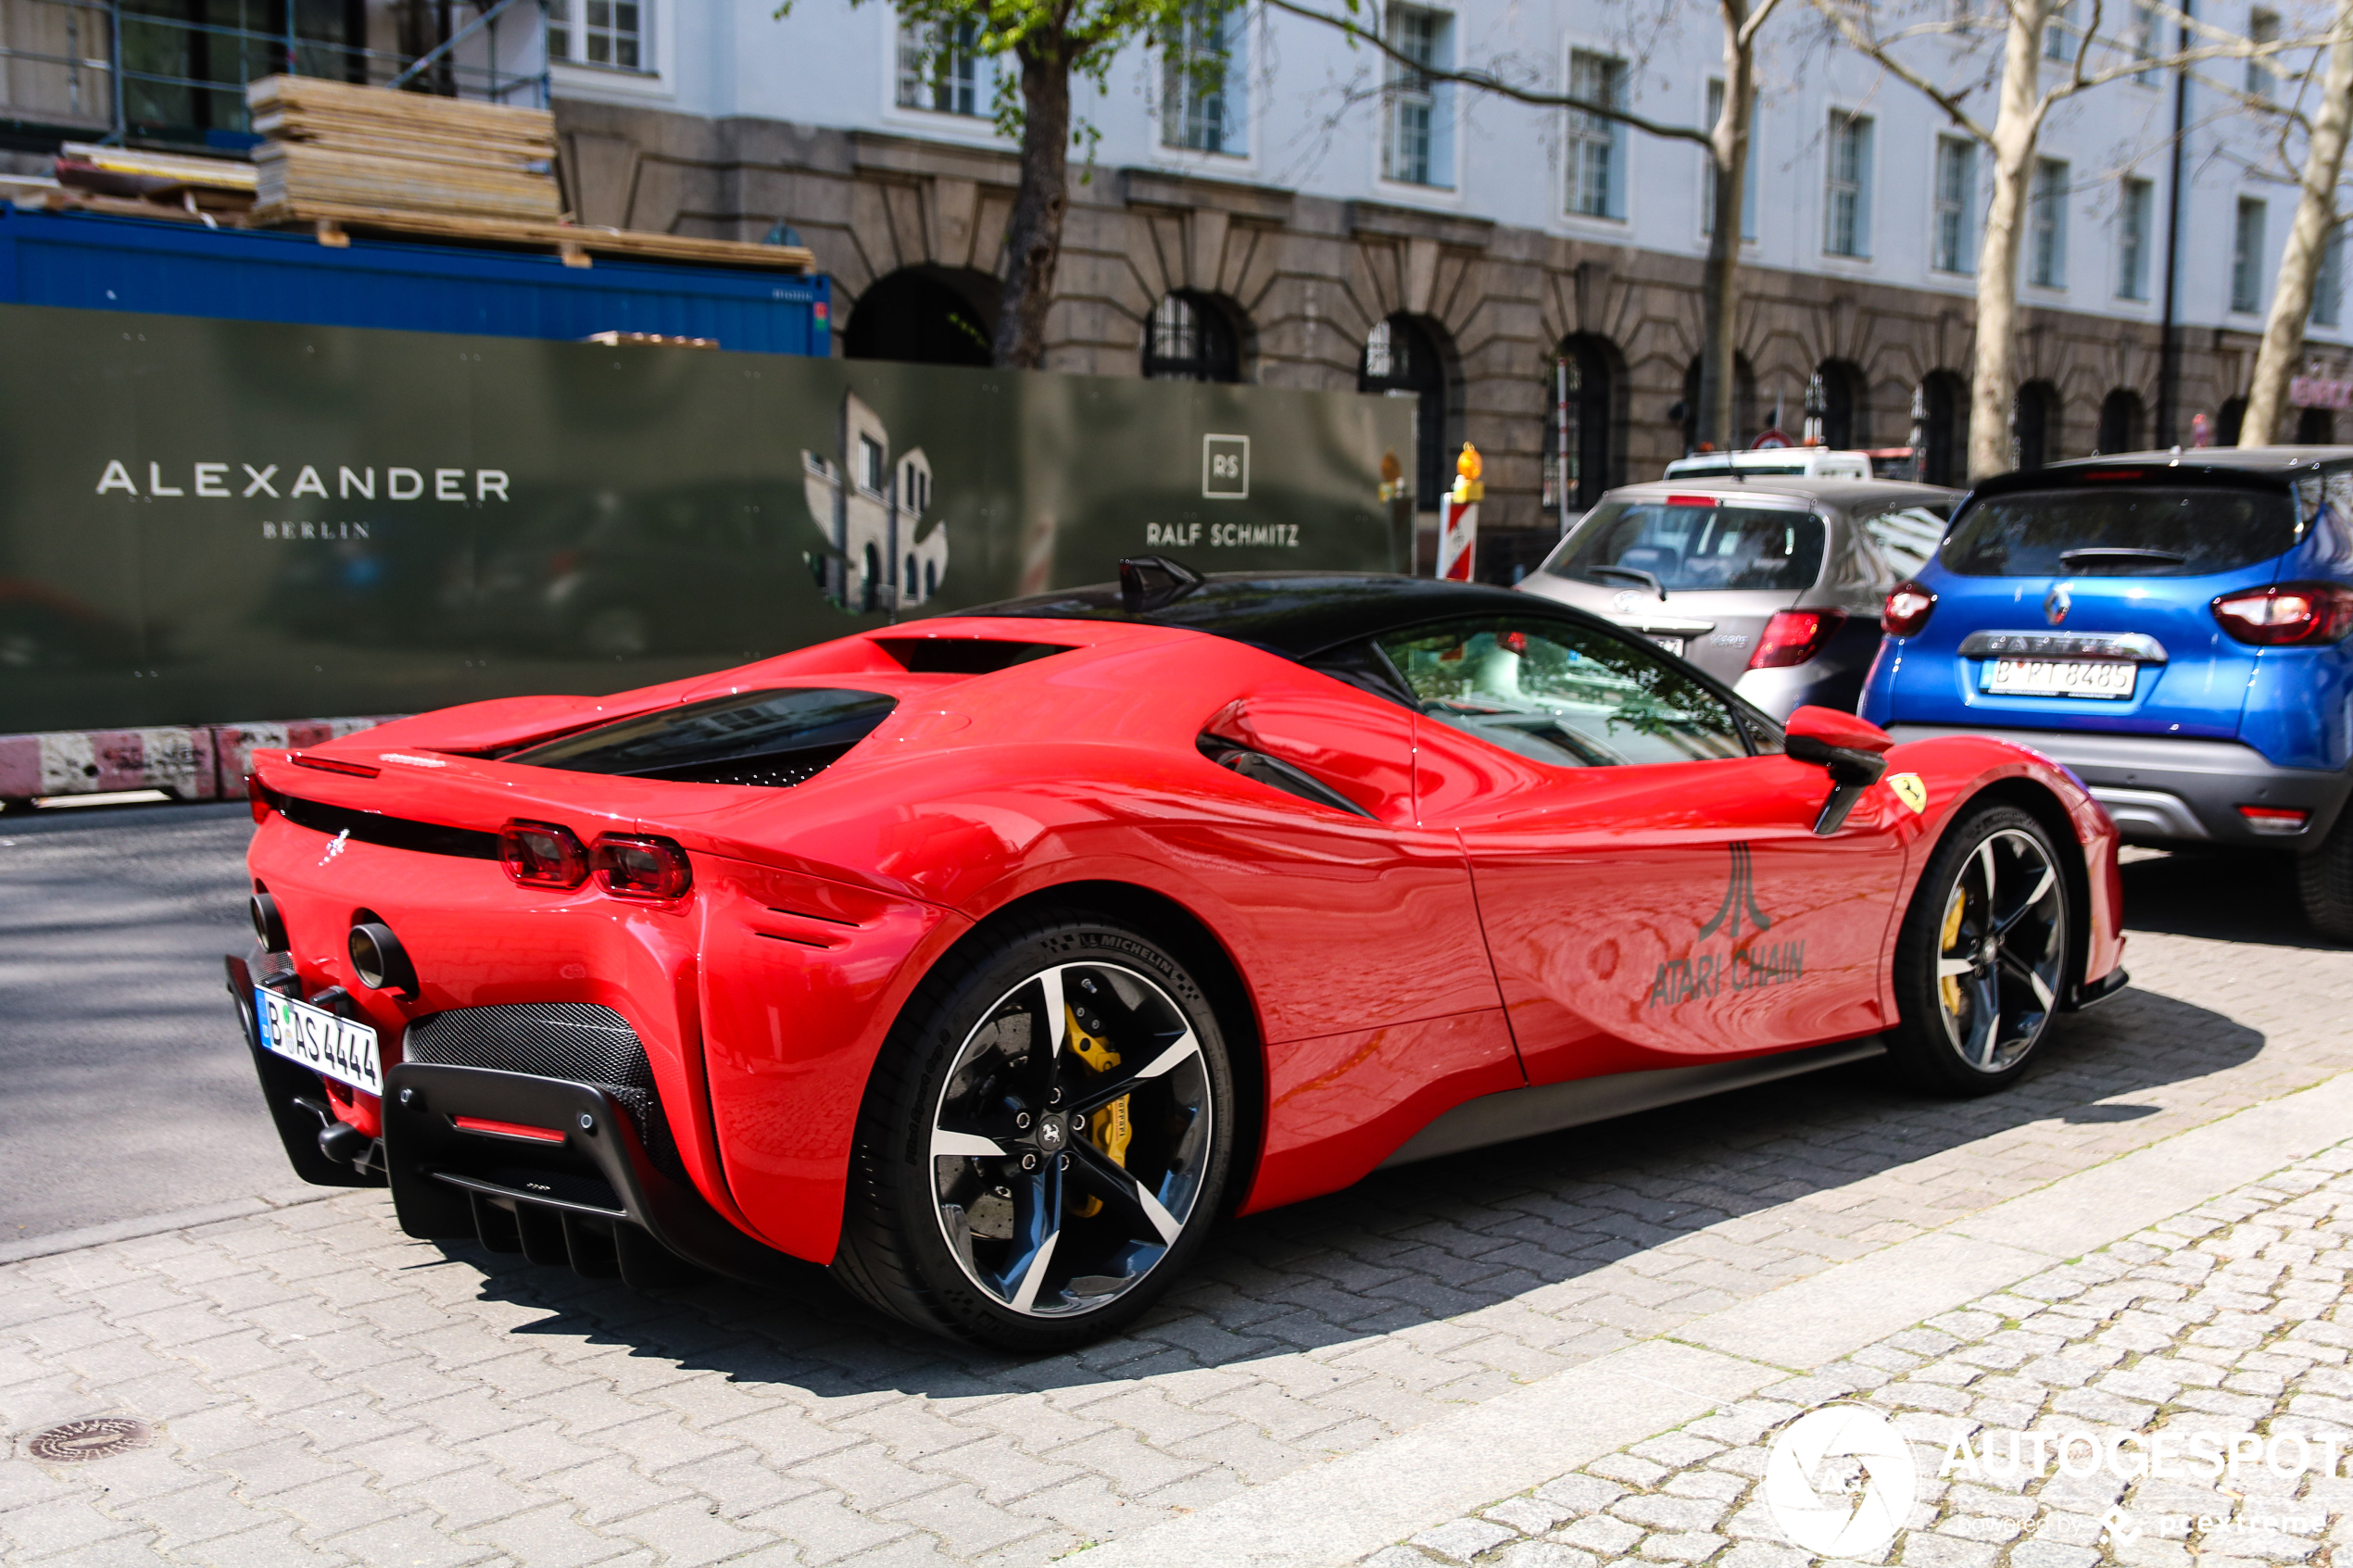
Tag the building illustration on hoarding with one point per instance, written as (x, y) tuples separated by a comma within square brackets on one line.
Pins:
[(871, 509)]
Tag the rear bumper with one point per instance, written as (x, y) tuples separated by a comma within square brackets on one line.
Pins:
[(584, 1191), (2162, 790)]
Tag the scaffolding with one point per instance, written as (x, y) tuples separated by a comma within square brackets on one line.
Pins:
[(172, 73)]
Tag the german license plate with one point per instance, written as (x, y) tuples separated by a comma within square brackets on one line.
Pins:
[(320, 1040), (2109, 679), (1672, 645)]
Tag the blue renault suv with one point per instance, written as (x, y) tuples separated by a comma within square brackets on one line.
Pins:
[(2170, 626)]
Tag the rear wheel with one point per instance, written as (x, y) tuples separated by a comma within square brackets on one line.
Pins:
[(1045, 1139), (1983, 955), (2325, 876)]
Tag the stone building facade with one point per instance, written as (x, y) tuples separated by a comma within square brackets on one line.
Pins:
[(1303, 279)]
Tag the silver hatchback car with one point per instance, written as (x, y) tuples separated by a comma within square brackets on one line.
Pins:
[(1771, 585)]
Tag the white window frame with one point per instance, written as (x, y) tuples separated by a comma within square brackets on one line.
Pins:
[(1438, 97), (1966, 244), (2328, 281), (907, 44), (657, 42), (1581, 132), (2246, 268), (2131, 247), (1838, 118), (2048, 271), (2262, 78), (1177, 89), (2145, 28)]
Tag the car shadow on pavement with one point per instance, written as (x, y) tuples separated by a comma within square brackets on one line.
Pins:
[(1417, 1246), (2222, 895)]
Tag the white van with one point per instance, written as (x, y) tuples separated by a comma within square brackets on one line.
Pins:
[(1779, 462)]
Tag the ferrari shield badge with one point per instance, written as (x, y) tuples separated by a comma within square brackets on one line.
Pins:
[(1909, 790)]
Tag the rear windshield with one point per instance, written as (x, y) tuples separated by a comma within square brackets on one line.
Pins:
[(1633, 544), (1726, 471), (771, 738), (1907, 537), (2131, 530)]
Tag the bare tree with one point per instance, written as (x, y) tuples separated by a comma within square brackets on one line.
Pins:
[(2021, 103), (2301, 264), (1725, 143)]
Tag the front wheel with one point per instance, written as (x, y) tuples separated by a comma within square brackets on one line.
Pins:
[(1983, 957), (1045, 1141)]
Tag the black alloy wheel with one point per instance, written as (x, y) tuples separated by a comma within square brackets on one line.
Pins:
[(1045, 1141), (1982, 961)]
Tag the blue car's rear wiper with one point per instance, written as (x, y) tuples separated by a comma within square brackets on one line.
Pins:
[(2121, 555)]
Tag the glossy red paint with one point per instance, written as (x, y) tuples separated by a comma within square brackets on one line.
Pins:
[(1485, 922)]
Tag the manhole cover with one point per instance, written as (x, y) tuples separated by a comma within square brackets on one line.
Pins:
[(99, 1436)]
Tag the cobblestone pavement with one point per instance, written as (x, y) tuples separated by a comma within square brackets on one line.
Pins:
[(327, 1390), (2227, 1320)]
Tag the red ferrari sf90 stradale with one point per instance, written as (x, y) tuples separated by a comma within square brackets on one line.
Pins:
[(989, 958)]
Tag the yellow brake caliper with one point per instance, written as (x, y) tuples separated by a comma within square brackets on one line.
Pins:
[(1950, 985), (1108, 1130)]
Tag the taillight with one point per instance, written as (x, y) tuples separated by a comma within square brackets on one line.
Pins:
[(258, 797), (2274, 820), (1792, 636), (1907, 609), (542, 855), (640, 868), (2287, 614)]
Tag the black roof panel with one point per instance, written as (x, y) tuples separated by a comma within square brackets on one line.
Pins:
[(1297, 614)]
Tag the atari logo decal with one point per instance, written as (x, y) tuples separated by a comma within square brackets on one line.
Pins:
[(1740, 898), (1722, 959)]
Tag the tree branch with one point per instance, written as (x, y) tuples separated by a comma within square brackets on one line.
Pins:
[(1949, 102), (1487, 82)]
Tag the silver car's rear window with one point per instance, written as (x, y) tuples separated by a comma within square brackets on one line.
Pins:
[(1687, 547)]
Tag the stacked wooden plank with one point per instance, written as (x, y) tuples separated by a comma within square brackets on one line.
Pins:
[(340, 158), (329, 144)]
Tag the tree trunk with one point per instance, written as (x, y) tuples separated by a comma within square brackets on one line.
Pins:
[(1720, 286), (1034, 232), (1994, 387), (2315, 210)]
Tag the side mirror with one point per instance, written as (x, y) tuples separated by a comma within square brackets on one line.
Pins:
[(1848, 749), (1829, 725)]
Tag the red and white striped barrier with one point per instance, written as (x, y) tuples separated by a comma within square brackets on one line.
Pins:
[(206, 762)]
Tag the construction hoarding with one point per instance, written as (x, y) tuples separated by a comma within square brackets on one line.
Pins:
[(209, 520)]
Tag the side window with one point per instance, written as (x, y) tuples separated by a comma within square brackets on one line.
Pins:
[(1562, 695), (1906, 538)]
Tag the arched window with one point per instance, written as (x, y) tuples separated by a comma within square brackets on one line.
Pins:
[(1944, 428), (1402, 359), (931, 579), (917, 316), (2120, 422), (1580, 402), (1191, 338), (2316, 427), (1846, 405), (870, 593), (2035, 424), (1745, 425)]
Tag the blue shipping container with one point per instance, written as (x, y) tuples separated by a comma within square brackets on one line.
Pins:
[(166, 268)]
